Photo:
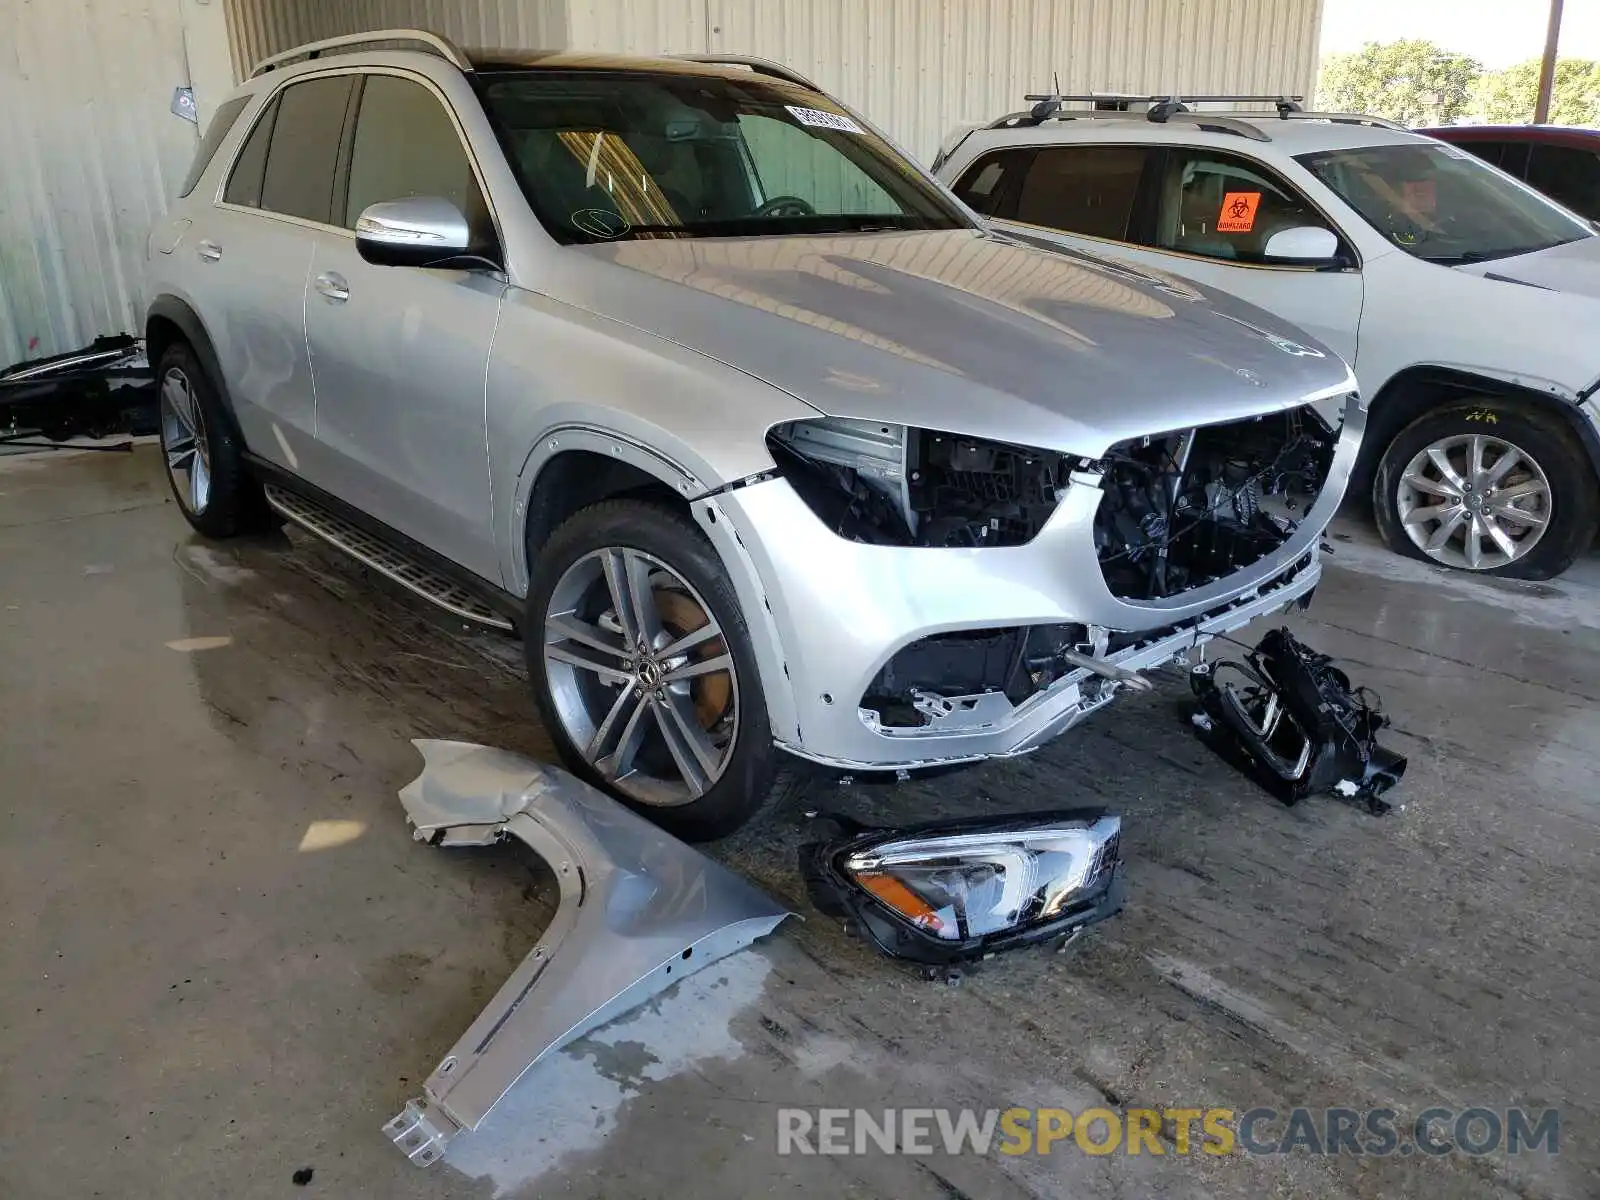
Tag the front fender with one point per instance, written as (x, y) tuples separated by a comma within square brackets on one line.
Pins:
[(561, 378)]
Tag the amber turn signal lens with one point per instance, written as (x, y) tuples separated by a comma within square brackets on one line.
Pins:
[(902, 899)]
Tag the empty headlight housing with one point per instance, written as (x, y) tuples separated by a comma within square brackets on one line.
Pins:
[(955, 891), (896, 485)]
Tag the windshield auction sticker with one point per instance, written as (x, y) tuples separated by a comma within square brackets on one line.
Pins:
[(1238, 213), (823, 120)]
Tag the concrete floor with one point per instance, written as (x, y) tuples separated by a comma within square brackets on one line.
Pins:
[(196, 1001)]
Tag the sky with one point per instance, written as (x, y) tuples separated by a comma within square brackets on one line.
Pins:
[(1495, 32)]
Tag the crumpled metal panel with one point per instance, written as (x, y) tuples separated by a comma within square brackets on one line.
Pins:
[(638, 911)]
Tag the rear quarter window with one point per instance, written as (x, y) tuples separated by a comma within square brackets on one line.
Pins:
[(991, 181), (222, 121), (244, 185)]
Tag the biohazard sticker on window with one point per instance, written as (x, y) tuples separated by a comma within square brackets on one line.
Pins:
[(823, 120), (1238, 213), (1421, 194)]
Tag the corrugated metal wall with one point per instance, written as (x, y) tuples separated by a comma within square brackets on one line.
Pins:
[(916, 67), (920, 67), (89, 153), (261, 28)]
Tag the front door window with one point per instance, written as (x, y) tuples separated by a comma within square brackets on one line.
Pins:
[(1225, 207)]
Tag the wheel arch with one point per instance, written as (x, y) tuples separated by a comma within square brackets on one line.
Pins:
[(1417, 390), (573, 467), (171, 319)]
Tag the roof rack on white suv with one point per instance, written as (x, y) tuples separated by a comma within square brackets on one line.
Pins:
[(1165, 108), (411, 39)]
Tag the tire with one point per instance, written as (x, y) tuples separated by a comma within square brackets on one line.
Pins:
[(1550, 488), (203, 456), (592, 717)]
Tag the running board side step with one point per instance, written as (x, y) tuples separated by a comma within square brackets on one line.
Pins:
[(384, 558)]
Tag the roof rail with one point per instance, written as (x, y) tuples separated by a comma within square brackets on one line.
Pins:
[(418, 38), (1342, 118), (1161, 106), (1222, 123), (1115, 105), (761, 66), (1234, 123), (1127, 97)]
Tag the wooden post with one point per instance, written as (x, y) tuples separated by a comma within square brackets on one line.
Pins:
[(1547, 71)]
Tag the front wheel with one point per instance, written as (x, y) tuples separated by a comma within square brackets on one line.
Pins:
[(1488, 486), (644, 672)]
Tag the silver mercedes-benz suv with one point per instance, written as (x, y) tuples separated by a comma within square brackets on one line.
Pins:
[(767, 449)]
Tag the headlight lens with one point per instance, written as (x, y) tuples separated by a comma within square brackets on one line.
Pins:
[(896, 485), (961, 890)]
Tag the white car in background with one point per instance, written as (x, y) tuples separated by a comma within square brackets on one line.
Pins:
[(1468, 304)]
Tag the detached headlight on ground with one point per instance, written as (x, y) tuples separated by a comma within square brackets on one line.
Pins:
[(893, 485), (956, 891)]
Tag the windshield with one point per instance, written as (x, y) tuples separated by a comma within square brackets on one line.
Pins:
[(1442, 204), (606, 155)]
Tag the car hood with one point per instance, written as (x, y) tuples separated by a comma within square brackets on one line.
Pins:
[(963, 331), (1573, 268)]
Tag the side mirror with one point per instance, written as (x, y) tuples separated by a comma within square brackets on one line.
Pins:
[(1302, 244), (412, 232)]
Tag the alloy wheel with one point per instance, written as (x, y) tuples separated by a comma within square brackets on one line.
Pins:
[(642, 676), (184, 443), (1474, 502)]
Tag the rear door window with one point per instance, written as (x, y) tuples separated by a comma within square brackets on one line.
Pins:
[(1082, 189), (305, 148), (1567, 175), (221, 122)]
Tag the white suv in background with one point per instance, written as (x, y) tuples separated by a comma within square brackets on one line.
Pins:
[(1466, 301)]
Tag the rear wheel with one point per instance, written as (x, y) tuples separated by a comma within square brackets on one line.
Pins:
[(1487, 486), (644, 671), (204, 460)]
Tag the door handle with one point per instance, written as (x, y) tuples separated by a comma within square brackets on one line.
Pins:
[(209, 251), (333, 286)]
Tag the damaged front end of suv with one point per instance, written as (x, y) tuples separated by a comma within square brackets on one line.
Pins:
[(1186, 509), (1110, 565)]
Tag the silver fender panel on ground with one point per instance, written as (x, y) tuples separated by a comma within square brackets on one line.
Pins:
[(638, 911)]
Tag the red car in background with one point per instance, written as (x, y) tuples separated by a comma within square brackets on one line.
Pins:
[(1561, 161)]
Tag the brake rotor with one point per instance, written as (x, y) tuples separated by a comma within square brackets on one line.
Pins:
[(712, 693)]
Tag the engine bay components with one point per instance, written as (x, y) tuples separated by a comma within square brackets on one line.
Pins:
[(947, 893), (891, 485), (638, 910), (1291, 718), (1188, 508)]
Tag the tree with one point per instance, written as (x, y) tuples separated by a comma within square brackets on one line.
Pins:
[(1412, 81), (1507, 97)]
